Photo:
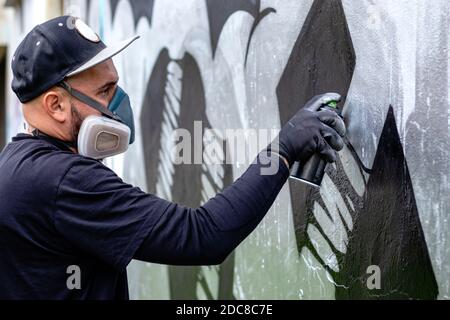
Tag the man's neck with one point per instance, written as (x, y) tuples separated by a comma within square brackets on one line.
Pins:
[(32, 130)]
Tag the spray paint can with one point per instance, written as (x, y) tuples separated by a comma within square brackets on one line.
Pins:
[(312, 171)]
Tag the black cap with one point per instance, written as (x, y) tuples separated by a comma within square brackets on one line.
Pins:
[(55, 50)]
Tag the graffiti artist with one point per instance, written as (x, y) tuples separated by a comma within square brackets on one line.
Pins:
[(61, 206)]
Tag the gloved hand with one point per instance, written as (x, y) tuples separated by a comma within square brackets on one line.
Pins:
[(312, 131)]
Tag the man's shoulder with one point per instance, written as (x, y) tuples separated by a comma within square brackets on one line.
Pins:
[(31, 159)]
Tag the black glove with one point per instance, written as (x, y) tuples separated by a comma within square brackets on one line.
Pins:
[(312, 131)]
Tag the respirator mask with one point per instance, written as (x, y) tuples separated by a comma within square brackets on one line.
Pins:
[(111, 133)]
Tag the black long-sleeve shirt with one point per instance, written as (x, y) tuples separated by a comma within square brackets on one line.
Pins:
[(61, 212)]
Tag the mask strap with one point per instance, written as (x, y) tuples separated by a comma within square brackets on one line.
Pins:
[(37, 133), (90, 102)]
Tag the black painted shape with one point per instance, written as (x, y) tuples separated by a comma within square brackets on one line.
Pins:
[(187, 185), (219, 11), (152, 118), (388, 232), (140, 8), (323, 59), (114, 4)]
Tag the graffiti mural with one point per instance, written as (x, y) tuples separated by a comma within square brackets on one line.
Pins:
[(323, 60), (174, 100), (252, 64), (381, 228), (219, 11), (140, 9)]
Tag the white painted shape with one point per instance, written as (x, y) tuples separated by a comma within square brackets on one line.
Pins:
[(322, 248)]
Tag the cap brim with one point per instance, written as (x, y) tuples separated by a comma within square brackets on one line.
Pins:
[(104, 55)]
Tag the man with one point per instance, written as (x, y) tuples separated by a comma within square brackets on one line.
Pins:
[(63, 211)]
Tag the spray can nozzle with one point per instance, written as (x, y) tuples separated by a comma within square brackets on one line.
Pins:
[(312, 171), (332, 104)]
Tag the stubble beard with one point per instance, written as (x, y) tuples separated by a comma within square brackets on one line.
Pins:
[(76, 122)]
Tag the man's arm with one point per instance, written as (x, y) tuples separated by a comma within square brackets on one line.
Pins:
[(207, 235)]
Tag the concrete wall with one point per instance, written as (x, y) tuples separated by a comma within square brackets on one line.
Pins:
[(3, 68), (252, 64), (16, 20), (4, 18)]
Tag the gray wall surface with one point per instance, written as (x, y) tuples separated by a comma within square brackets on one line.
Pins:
[(250, 64)]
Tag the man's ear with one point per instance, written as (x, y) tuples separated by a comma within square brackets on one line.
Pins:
[(56, 105)]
